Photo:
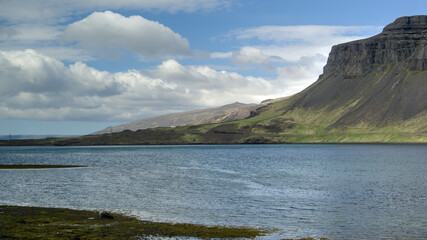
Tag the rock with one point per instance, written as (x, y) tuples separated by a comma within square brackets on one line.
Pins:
[(379, 81), (404, 40), (408, 23), (105, 214)]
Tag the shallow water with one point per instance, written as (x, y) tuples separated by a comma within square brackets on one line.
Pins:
[(333, 191)]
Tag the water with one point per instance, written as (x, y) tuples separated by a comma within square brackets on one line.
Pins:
[(333, 191)]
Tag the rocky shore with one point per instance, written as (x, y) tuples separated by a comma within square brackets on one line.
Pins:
[(58, 223)]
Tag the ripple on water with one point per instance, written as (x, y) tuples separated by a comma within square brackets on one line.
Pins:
[(334, 191)]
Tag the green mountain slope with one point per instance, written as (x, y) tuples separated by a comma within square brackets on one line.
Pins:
[(229, 112), (372, 90), (372, 86), (224, 113)]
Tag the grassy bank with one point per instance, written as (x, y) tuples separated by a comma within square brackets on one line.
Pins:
[(57, 223), (296, 126)]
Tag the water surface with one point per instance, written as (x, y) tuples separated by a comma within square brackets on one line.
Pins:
[(334, 191)]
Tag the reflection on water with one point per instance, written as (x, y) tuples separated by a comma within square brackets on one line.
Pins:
[(335, 191)]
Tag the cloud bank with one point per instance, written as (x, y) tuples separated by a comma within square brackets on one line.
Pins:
[(304, 34), (35, 86), (291, 43), (54, 11), (296, 53)]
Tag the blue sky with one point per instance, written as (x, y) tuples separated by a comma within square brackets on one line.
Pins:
[(75, 67)]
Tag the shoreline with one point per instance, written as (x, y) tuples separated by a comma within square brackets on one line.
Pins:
[(62, 223), (35, 166), (219, 144)]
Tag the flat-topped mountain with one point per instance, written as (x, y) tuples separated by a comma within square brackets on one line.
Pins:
[(376, 82), (407, 24), (371, 90), (400, 41)]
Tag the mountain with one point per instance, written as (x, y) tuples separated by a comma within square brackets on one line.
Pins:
[(376, 87), (371, 90), (224, 113), (7, 137), (379, 81), (229, 112)]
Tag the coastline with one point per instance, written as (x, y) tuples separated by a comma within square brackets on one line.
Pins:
[(31, 166), (20, 144), (18, 222), (193, 136)]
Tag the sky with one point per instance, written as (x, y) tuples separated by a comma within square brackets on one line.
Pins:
[(79, 66)]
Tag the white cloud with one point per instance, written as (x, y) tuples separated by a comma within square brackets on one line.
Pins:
[(30, 33), (252, 56), (109, 33), (32, 73), (249, 56), (298, 52), (221, 55), (35, 86), (305, 33), (296, 77), (292, 43), (53, 11), (222, 86), (65, 53), (39, 25), (101, 34), (301, 51)]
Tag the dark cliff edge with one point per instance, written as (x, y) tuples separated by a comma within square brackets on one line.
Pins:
[(379, 81), (401, 41), (372, 90)]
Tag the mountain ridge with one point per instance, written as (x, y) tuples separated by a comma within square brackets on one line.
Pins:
[(385, 71), (372, 90), (225, 113), (220, 114)]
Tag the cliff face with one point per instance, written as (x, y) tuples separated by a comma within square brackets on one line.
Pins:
[(402, 40), (378, 81)]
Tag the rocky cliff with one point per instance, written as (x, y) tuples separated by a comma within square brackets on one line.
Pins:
[(404, 40), (379, 81)]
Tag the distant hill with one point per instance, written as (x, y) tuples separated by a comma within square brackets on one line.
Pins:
[(229, 112), (224, 113), (372, 90), (7, 137)]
